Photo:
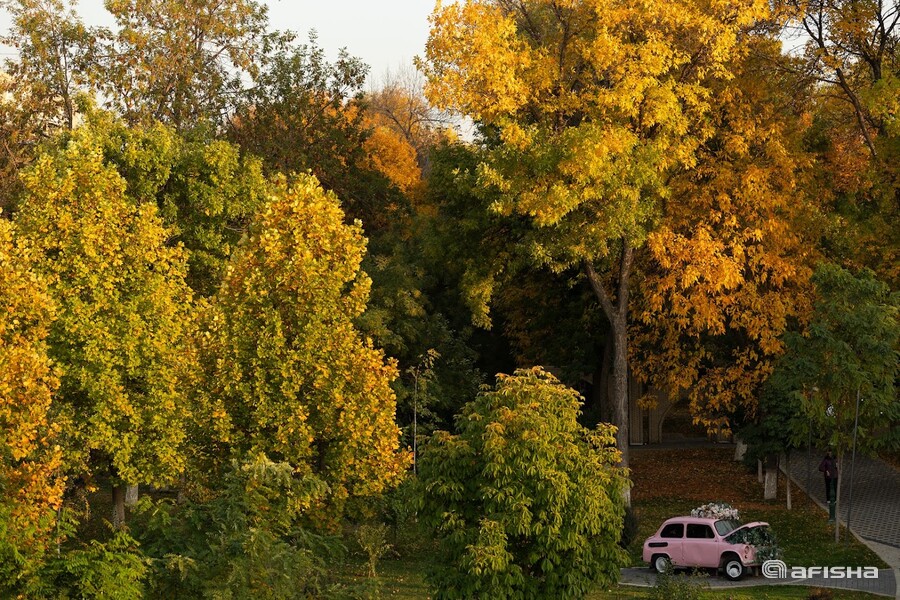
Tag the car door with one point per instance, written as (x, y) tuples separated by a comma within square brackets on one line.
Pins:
[(673, 537), (700, 547)]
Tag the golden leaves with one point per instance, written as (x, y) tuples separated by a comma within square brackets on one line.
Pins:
[(284, 359), (29, 459)]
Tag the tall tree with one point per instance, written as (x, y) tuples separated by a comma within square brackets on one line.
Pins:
[(180, 62), (289, 374), (850, 47), (727, 270), (54, 50), (123, 314), (595, 104), (40, 86)]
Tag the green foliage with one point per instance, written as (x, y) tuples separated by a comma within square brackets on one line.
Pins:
[(123, 313), (206, 192), (303, 116), (850, 346), (111, 570), (676, 587), (524, 501), (247, 542)]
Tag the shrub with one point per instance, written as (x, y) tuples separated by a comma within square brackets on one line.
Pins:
[(524, 501), (671, 587), (248, 542)]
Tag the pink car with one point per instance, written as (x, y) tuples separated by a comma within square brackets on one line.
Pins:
[(704, 543)]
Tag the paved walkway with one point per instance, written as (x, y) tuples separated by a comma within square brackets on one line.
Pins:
[(875, 510), (875, 498)]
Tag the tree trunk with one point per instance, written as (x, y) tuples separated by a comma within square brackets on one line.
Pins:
[(617, 314), (601, 381), (771, 484), (616, 311), (787, 478), (118, 498), (131, 495), (620, 389), (837, 499), (740, 449), (759, 471)]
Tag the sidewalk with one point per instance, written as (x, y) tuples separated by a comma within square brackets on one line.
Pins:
[(875, 509)]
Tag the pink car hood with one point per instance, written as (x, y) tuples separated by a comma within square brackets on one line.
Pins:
[(748, 526)]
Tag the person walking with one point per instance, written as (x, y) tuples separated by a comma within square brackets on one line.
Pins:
[(829, 468)]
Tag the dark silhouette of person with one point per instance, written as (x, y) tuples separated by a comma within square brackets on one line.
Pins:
[(829, 468)]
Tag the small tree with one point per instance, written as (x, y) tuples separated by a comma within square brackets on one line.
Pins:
[(849, 349), (524, 501)]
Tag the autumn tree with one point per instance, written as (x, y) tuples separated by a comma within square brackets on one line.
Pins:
[(524, 501), (399, 104), (181, 63), (288, 373), (594, 105), (54, 49), (123, 314), (40, 86), (30, 460), (850, 49), (726, 272)]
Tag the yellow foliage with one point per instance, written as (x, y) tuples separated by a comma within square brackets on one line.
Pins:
[(29, 457), (728, 270), (391, 155)]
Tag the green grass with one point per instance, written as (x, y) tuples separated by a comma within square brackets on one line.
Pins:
[(401, 579)]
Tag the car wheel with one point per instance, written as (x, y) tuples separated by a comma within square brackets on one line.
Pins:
[(661, 563), (733, 567)]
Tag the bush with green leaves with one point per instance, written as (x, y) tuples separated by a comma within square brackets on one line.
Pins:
[(524, 501), (114, 569), (247, 542), (678, 587)]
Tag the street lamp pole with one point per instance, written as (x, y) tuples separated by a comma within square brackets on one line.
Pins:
[(852, 463)]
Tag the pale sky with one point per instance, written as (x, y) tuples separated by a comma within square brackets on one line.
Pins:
[(385, 34)]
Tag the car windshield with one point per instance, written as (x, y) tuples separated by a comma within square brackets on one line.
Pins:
[(726, 526)]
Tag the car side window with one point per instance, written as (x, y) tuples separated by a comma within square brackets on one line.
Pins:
[(700, 531), (673, 530)]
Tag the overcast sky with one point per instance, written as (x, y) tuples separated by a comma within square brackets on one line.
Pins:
[(384, 34)]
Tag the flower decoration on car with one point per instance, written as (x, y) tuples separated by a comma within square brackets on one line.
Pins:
[(716, 510)]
